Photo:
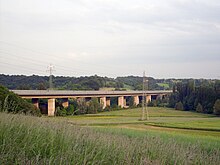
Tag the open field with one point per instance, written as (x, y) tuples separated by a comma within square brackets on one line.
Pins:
[(131, 116), (165, 85), (164, 120), (118, 137)]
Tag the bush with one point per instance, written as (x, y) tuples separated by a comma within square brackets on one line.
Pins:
[(199, 108), (94, 106), (81, 106), (217, 107), (179, 106), (61, 112), (70, 110), (107, 109), (12, 103)]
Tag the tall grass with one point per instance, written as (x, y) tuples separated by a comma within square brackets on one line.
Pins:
[(31, 140)]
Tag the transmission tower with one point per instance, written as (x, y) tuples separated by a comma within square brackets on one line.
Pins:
[(144, 102), (50, 69)]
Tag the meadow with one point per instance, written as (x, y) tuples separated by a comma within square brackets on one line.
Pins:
[(116, 137)]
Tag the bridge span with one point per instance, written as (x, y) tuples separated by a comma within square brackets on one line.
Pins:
[(104, 96)]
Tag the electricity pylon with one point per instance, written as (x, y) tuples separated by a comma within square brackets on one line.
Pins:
[(50, 69), (144, 102)]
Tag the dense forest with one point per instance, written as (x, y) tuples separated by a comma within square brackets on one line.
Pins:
[(203, 98), (75, 83), (91, 82)]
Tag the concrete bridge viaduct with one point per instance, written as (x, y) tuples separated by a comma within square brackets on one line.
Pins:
[(104, 96)]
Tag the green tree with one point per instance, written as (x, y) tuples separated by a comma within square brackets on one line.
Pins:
[(179, 106), (81, 106), (199, 108), (119, 84), (70, 110), (217, 107), (173, 99), (41, 86), (94, 106)]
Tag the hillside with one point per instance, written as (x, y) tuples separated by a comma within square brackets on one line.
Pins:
[(75, 83), (92, 82)]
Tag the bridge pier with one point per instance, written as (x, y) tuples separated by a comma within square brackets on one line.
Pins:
[(136, 100), (65, 102), (148, 98), (108, 101), (51, 107), (103, 102), (121, 101), (35, 101)]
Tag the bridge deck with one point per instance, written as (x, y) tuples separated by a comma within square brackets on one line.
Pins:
[(70, 93)]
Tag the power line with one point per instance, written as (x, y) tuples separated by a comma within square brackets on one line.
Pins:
[(52, 56), (22, 68), (30, 60), (16, 57)]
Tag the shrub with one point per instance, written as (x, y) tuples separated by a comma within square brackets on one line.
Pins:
[(94, 106), (70, 110), (81, 106), (107, 109), (199, 108), (61, 112), (12, 103), (150, 104), (179, 106), (217, 107)]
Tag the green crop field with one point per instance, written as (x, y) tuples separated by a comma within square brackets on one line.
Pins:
[(116, 137)]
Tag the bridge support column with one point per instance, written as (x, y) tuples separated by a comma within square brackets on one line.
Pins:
[(136, 100), (108, 102), (65, 102), (51, 107), (103, 102), (121, 101), (35, 101), (148, 98)]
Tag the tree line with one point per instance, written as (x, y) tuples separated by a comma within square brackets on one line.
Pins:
[(204, 98), (92, 82)]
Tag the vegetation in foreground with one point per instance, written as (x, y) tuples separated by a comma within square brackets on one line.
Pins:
[(31, 140), (12, 103)]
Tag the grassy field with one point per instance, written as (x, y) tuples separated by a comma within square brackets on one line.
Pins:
[(163, 85), (117, 137)]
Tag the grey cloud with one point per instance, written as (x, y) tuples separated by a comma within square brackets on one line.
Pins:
[(142, 32)]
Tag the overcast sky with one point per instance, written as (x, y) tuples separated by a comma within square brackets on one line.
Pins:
[(167, 38)]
